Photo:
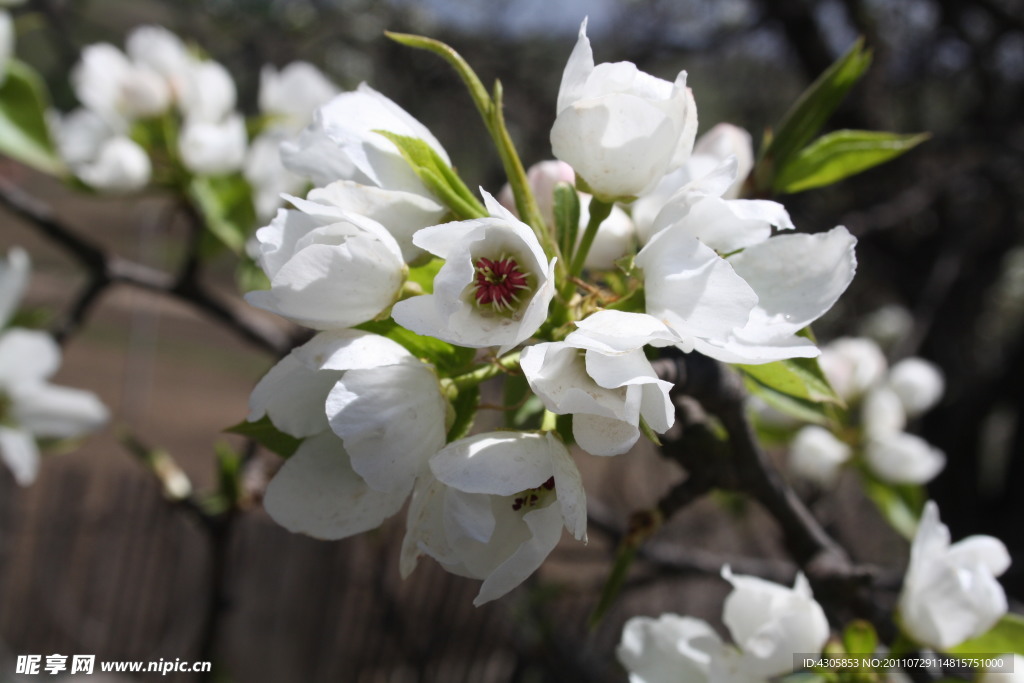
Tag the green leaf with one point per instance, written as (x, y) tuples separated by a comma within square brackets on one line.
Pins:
[(447, 358), (264, 432), (900, 504), (809, 113), (567, 216), (24, 134), (225, 204), (802, 409), (464, 405), (437, 175), (1006, 637), (841, 154), (799, 378)]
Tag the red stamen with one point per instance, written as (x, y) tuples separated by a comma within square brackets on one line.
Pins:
[(498, 282)]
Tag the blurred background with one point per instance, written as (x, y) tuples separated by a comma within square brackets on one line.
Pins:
[(94, 561)]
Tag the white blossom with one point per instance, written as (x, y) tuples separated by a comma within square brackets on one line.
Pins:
[(213, 147), (208, 92), (853, 365), (817, 455), (950, 593), (267, 176), (101, 156), (618, 127), (769, 622), (601, 376), (106, 81), (30, 406), (291, 95), (495, 509), (493, 289), (918, 383), (327, 269)]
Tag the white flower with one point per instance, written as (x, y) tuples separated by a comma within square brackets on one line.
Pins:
[(769, 622), (853, 365), (208, 92), (712, 149), (327, 270), (673, 648), (109, 83), (213, 147), (31, 407), (268, 176), (902, 458), (341, 144), (494, 288), (918, 383), (601, 376), (291, 95), (389, 417), (618, 127), (496, 508), (99, 155), (950, 593), (160, 50), (816, 455)]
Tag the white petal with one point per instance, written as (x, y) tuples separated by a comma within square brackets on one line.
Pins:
[(316, 492), (392, 419), (14, 274), (57, 412), (27, 356), (668, 649), (613, 331), (817, 455), (497, 463), (545, 527), (577, 70), (19, 452), (292, 395), (600, 435), (903, 458), (212, 147), (120, 165), (572, 499), (350, 350), (918, 383)]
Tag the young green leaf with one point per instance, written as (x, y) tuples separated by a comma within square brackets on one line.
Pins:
[(437, 175), (806, 117), (264, 432), (840, 155), (567, 216), (225, 203), (24, 134), (800, 378), (900, 504)]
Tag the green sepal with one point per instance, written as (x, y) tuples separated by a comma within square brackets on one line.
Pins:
[(567, 216), (263, 432), (437, 175), (841, 154), (225, 204), (24, 133), (809, 113), (447, 358)]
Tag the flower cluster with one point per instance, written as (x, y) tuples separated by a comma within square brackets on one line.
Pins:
[(420, 290), (768, 624), (880, 399), (30, 407)]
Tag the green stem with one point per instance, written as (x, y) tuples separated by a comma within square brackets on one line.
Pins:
[(485, 372), (599, 211)]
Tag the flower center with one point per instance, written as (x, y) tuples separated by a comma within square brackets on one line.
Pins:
[(498, 283), (531, 497)]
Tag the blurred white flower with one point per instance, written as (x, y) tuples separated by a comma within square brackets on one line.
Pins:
[(619, 128), (601, 376), (712, 149), (208, 92), (817, 455), (163, 52), (98, 154), (901, 458), (853, 365), (769, 622), (496, 508), (268, 176), (106, 81), (950, 593), (213, 147), (918, 383), (31, 407), (674, 648), (493, 289), (327, 269), (291, 95)]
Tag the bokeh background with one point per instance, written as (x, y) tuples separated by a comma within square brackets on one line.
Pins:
[(94, 561)]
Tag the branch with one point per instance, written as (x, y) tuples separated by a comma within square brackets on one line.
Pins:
[(108, 269)]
